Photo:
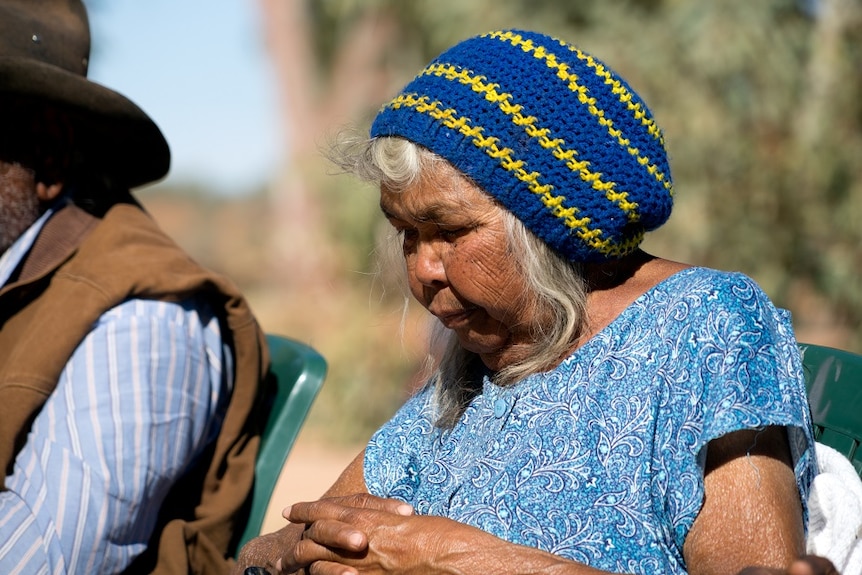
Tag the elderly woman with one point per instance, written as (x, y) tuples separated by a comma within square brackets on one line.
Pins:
[(594, 408)]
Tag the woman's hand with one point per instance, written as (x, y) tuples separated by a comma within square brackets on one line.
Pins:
[(365, 535), (808, 565), (339, 531), (368, 535), (264, 551), (274, 552)]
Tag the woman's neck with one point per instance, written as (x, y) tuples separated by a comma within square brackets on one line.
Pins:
[(614, 286)]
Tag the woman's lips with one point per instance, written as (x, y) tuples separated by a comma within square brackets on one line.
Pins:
[(455, 318)]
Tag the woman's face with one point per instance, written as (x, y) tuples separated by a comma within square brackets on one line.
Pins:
[(459, 266)]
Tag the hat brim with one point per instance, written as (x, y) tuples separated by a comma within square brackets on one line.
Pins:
[(115, 135)]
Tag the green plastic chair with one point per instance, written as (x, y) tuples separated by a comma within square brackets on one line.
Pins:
[(833, 378), (299, 371)]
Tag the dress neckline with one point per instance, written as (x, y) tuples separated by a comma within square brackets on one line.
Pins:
[(661, 286)]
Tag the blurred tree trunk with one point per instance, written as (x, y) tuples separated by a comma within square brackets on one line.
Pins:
[(299, 254), (314, 99), (810, 264), (817, 118)]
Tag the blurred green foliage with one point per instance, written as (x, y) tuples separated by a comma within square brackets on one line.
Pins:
[(760, 104)]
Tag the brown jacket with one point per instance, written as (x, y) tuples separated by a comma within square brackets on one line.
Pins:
[(79, 268)]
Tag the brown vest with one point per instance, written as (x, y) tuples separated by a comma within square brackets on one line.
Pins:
[(79, 268)]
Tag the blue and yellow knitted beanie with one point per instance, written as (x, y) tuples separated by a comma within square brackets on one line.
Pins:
[(550, 132)]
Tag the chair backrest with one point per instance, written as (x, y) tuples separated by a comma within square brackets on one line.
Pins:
[(299, 371), (833, 378)]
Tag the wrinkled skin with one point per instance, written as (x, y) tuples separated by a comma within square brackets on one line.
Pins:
[(459, 269), (363, 534), (372, 535)]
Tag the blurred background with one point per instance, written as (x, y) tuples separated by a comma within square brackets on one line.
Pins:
[(760, 103)]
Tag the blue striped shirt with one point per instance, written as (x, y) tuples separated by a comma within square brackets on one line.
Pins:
[(141, 397)]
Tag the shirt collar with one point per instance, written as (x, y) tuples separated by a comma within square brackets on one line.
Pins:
[(10, 260)]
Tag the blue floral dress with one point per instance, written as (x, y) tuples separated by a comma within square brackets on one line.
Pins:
[(601, 459)]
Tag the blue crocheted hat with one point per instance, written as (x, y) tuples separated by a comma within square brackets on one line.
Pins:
[(550, 132)]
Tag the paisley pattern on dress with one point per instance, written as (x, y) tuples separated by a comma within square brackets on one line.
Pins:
[(600, 460)]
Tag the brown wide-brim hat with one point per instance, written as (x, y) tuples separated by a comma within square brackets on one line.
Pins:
[(44, 54)]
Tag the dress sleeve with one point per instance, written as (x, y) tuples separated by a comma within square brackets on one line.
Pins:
[(748, 362), (140, 398), (401, 449), (737, 366)]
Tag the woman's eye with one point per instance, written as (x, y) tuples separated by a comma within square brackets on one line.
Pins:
[(408, 237), (450, 234)]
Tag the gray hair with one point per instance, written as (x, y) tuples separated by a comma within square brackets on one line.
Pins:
[(556, 286)]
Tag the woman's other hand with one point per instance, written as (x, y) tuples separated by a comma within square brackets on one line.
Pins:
[(337, 528), (275, 552), (264, 551), (807, 565)]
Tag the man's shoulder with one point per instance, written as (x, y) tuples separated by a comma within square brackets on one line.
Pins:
[(127, 254)]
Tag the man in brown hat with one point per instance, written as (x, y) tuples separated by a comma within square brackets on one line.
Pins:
[(130, 377)]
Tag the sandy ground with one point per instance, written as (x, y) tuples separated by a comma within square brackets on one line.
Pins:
[(311, 467)]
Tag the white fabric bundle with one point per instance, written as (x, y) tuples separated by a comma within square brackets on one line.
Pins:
[(835, 512)]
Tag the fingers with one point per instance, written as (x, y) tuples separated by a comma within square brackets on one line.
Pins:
[(329, 568), (317, 511), (807, 565), (314, 557), (337, 535), (325, 540), (336, 529), (263, 551), (357, 501), (367, 501), (812, 565), (352, 520), (761, 571)]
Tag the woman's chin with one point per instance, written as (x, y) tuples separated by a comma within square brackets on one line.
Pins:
[(496, 357)]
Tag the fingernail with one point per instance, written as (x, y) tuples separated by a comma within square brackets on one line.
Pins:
[(405, 509), (286, 511)]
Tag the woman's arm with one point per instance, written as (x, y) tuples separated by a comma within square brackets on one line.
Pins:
[(751, 515)]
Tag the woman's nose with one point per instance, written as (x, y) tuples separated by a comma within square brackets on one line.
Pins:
[(428, 266)]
